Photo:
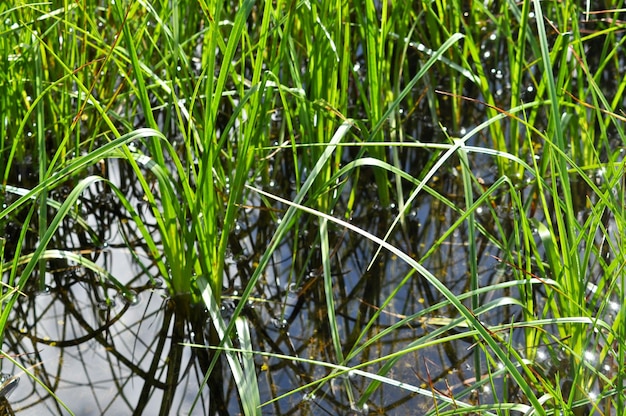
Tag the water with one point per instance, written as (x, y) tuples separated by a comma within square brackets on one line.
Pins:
[(103, 355), (8, 383), (104, 352)]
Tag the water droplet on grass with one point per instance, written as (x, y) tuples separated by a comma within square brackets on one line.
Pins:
[(45, 291), (129, 297)]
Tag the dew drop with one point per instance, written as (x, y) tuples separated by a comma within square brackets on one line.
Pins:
[(45, 291), (131, 298)]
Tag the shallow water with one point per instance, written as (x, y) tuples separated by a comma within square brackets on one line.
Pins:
[(101, 354)]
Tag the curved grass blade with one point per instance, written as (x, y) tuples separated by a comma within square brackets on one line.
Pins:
[(484, 334)]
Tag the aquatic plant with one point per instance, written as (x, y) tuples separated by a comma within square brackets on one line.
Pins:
[(294, 114)]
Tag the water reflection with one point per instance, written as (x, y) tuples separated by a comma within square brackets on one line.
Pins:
[(8, 383), (101, 353)]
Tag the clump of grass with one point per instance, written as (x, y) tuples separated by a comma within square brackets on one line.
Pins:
[(190, 236), (192, 100), (562, 320)]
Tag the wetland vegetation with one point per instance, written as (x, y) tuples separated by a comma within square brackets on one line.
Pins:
[(312, 207)]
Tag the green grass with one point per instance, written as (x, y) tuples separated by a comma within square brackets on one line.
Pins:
[(293, 108)]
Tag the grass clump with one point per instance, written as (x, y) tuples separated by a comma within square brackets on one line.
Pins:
[(488, 136)]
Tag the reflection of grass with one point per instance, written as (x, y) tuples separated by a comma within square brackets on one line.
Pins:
[(200, 101)]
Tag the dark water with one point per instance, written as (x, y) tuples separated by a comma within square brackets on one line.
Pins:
[(102, 353), (99, 352)]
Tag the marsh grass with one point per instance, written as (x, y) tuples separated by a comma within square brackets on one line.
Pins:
[(213, 105)]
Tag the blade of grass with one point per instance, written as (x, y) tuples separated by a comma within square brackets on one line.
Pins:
[(482, 331)]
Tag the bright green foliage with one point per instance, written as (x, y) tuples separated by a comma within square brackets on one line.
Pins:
[(198, 98)]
